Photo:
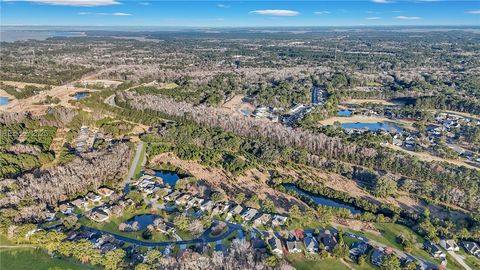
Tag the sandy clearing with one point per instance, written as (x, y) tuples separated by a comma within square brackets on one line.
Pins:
[(235, 104), (428, 157), (362, 101), (106, 83), (364, 119), (22, 84)]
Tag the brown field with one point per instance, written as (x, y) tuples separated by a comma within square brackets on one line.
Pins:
[(428, 157), (235, 104), (364, 119)]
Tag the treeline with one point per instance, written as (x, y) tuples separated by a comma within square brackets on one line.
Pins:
[(215, 91), (449, 102), (25, 92), (24, 147), (448, 183)]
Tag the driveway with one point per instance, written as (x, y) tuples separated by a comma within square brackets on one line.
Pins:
[(459, 259), (133, 166)]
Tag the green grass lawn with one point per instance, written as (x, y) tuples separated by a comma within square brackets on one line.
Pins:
[(112, 226), (27, 259), (472, 261), (301, 263)]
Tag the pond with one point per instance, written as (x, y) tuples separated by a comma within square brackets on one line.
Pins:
[(372, 126), (80, 95), (245, 112), (169, 177), (4, 101), (321, 200), (143, 220), (344, 113)]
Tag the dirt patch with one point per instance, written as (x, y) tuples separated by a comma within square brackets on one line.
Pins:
[(357, 225), (235, 105), (364, 119), (23, 84)]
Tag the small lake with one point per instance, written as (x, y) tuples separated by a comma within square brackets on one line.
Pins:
[(143, 220), (80, 95), (318, 199), (4, 101), (372, 126), (344, 113), (169, 177)]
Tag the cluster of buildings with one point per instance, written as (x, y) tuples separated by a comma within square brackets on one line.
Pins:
[(97, 206), (450, 245), (296, 113), (85, 139)]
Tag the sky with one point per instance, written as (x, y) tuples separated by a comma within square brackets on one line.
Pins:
[(238, 13)]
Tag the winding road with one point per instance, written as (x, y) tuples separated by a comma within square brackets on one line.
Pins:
[(204, 238)]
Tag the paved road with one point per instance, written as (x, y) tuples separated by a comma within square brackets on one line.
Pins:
[(204, 238), (459, 259), (131, 172)]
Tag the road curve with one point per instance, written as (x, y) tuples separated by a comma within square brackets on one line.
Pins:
[(205, 238)]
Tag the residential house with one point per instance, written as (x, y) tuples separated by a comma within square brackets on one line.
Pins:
[(263, 219), (377, 256), (249, 214), (207, 206), (328, 238), (293, 246), (279, 220), (235, 211), (433, 249), (449, 245), (172, 196), (275, 245), (79, 203), (472, 248), (182, 199), (49, 216), (93, 198), (99, 215), (358, 249), (311, 244), (105, 192), (65, 208), (220, 208), (194, 202)]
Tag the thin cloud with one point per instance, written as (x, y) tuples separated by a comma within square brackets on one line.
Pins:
[(77, 3), (144, 3), (276, 12), (321, 12), (475, 12), (406, 18), (105, 14), (373, 18), (383, 1), (374, 12), (121, 14), (223, 6)]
